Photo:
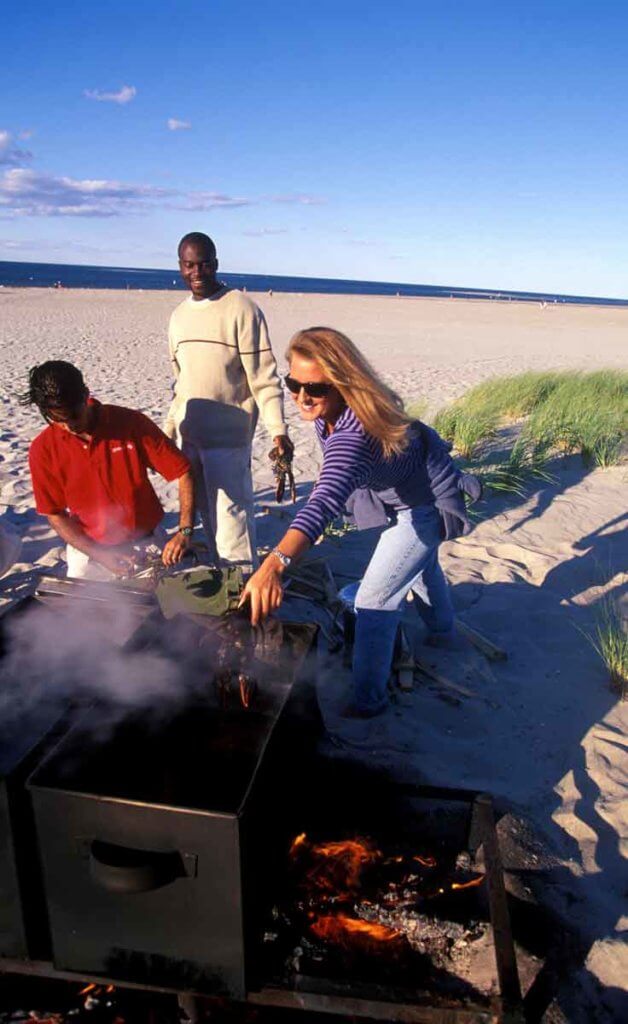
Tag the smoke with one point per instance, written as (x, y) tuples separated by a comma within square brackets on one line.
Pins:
[(75, 651)]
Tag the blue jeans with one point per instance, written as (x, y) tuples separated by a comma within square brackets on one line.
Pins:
[(406, 558)]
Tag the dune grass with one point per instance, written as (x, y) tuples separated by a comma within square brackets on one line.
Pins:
[(417, 408), (610, 641), (525, 463), (586, 413), (562, 412)]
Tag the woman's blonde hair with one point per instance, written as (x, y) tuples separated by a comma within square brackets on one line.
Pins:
[(378, 408)]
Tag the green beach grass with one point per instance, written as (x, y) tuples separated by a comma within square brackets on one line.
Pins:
[(559, 412), (610, 641)]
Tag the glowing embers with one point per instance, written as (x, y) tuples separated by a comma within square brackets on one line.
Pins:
[(333, 869), (99, 998), (346, 931), (356, 900)]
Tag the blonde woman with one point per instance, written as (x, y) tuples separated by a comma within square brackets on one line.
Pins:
[(368, 441)]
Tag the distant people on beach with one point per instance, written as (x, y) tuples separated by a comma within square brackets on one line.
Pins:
[(225, 375), (370, 445), (89, 471)]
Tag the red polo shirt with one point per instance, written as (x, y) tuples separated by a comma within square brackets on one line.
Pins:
[(103, 483)]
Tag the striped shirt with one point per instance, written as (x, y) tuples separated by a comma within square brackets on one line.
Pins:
[(351, 459)]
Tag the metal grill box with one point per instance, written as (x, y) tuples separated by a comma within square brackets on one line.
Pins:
[(158, 845), (26, 734)]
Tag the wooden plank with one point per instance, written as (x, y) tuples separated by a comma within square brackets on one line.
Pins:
[(442, 680), (405, 677), (483, 644), (507, 971), (405, 665)]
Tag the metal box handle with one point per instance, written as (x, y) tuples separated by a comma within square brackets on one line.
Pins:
[(126, 871)]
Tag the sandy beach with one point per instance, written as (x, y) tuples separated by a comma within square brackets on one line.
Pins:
[(541, 731)]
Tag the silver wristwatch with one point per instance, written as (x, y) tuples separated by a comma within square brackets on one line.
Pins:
[(284, 559)]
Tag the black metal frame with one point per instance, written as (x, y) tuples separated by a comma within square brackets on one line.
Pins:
[(323, 996), (326, 997)]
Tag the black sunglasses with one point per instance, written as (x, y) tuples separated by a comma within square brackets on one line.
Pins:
[(316, 389)]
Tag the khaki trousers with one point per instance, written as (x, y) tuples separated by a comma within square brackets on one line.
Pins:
[(225, 502)]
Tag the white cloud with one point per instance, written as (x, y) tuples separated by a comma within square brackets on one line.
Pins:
[(260, 232), (199, 201), (38, 245), (177, 126), (10, 155), (124, 95), (303, 199), (26, 193)]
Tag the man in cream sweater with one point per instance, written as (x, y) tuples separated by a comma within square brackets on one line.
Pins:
[(225, 374)]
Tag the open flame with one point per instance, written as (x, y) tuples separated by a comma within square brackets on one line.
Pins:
[(335, 868), (426, 862), (347, 931), (468, 885), (297, 842), (346, 875), (93, 995)]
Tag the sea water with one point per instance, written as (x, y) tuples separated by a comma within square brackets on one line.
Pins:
[(67, 275)]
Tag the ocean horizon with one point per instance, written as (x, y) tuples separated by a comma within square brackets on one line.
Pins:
[(69, 275)]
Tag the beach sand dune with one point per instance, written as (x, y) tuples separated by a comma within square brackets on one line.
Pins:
[(541, 731)]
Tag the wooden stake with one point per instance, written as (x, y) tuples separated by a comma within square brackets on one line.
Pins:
[(442, 680), (405, 665), (483, 644)]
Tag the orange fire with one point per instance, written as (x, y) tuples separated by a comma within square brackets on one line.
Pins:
[(343, 930), (335, 868), (426, 862), (88, 988), (297, 842), (247, 689), (468, 885)]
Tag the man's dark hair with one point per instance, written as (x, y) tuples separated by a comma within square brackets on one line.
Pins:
[(197, 238), (55, 384)]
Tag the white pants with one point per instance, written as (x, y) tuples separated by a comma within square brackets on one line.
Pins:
[(225, 502), (82, 567)]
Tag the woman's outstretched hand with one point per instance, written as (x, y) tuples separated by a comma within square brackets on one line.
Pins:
[(263, 590)]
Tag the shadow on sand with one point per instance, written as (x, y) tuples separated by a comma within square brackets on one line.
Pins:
[(531, 738)]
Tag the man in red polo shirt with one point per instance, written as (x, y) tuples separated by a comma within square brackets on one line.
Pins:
[(89, 472)]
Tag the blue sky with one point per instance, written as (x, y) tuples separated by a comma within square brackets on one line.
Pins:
[(477, 144)]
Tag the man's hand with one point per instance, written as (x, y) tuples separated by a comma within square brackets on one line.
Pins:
[(263, 590), (175, 549), (284, 445), (115, 561)]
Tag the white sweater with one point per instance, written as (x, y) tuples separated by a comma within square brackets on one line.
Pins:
[(224, 372)]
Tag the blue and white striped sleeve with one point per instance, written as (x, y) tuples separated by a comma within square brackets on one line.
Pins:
[(348, 461)]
